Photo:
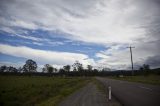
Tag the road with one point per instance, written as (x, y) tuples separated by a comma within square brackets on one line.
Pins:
[(87, 96), (133, 94)]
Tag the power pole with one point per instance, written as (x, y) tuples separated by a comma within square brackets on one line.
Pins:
[(131, 58)]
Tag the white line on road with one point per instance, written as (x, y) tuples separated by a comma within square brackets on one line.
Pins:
[(145, 88)]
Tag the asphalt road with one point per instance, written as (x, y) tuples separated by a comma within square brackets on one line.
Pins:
[(87, 96), (133, 94)]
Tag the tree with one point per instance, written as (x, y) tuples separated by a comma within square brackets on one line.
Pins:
[(145, 69), (12, 69), (141, 68), (3, 68), (61, 71), (67, 68), (77, 66), (89, 67), (48, 68), (55, 70), (106, 69), (20, 69), (30, 66)]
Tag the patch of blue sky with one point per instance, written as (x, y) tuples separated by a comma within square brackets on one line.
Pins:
[(12, 59), (52, 42)]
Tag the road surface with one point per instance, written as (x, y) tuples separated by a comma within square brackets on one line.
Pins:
[(88, 96), (133, 94)]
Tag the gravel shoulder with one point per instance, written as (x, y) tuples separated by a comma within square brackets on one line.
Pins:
[(89, 95)]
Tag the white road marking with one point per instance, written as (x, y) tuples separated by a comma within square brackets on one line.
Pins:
[(145, 88)]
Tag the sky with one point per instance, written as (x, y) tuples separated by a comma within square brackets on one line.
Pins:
[(94, 32)]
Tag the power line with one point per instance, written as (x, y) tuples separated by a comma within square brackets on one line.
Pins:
[(131, 58)]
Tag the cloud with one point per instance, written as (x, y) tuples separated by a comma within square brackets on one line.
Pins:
[(118, 56), (101, 21), (153, 61), (108, 22), (42, 56)]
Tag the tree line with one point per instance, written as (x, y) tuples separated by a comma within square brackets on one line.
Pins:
[(30, 68)]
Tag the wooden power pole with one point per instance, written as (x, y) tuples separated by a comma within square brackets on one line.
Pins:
[(131, 58)]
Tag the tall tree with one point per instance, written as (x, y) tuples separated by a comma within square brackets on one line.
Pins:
[(12, 69), (3, 68), (67, 68), (30, 66), (89, 67), (146, 67), (77, 66), (48, 68)]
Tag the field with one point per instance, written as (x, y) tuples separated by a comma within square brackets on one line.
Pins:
[(150, 79), (36, 90)]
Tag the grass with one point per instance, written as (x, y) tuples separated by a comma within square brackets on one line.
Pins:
[(150, 79), (99, 85), (39, 91)]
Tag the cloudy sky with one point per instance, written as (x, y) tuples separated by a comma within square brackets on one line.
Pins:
[(94, 32)]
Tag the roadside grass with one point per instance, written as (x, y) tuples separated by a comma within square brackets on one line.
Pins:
[(150, 79), (99, 85), (37, 90)]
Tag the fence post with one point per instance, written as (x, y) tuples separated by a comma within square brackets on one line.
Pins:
[(109, 88)]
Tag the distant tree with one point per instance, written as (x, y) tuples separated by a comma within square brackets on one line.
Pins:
[(141, 68), (145, 69), (89, 67), (45, 68), (55, 70), (61, 71), (67, 68), (30, 66), (106, 69), (74, 68), (3, 68), (12, 69), (20, 69), (48, 68), (77, 66), (95, 70)]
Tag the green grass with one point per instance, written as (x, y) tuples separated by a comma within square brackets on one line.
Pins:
[(99, 85), (40, 91), (150, 79)]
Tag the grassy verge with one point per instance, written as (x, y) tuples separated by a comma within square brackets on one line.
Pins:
[(28, 91), (99, 85), (150, 79)]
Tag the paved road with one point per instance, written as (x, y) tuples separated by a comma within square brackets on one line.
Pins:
[(87, 96), (134, 94)]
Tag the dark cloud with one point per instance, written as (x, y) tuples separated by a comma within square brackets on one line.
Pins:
[(153, 61)]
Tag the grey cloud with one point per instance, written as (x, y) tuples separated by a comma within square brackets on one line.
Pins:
[(153, 61), (53, 15)]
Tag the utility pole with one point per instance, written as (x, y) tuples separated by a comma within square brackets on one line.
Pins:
[(131, 58)]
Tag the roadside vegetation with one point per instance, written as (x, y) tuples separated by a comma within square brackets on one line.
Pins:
[(149, 79), (37, 90)]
